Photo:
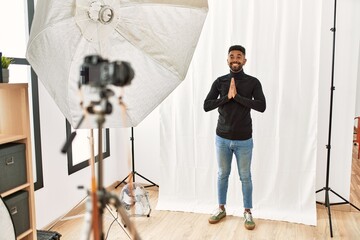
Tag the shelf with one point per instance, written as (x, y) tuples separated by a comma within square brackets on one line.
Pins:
[(21, 187), (25, 234), (15, 128), (5, 138), (10, 86)]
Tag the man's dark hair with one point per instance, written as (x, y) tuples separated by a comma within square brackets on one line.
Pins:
[(237, 47)]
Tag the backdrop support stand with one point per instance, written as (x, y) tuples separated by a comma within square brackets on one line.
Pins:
[(133, 171), (327, 189)]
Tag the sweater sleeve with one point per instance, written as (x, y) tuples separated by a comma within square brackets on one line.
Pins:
[(212, 101), (258, 101)]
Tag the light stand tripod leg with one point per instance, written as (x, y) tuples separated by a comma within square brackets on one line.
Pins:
[(114, 200), (123, 181), (327, 203), (117, 220), (153, 184), (345, 201)]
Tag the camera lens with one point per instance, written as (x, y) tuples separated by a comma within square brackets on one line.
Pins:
[(123, 73)]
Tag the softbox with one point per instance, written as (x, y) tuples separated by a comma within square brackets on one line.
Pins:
[(157, 37)]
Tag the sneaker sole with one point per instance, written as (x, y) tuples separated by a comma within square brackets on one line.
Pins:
[(250, 227), (215, 221)]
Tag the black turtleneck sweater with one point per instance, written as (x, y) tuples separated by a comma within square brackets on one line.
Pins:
[(234, 121)]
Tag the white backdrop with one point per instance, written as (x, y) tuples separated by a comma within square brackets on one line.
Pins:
[(289, 49)]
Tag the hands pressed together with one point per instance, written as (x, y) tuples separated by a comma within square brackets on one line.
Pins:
[(232, 89)]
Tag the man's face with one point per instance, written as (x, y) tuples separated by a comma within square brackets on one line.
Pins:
[(236, 60)]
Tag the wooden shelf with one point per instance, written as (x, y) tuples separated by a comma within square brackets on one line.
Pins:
[(25, 234), (15, 128), (6, 138), (14, 190)]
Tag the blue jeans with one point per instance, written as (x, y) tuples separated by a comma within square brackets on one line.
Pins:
[(243, 151)]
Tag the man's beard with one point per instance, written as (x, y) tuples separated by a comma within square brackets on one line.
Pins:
[(235, 67)]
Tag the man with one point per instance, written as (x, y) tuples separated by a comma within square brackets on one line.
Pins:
[(235, 94)]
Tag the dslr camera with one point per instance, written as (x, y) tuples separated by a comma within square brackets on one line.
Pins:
[(99, 72)]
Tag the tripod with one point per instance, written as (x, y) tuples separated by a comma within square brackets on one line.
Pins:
[(327, 189), (133, 172), (100, 198)]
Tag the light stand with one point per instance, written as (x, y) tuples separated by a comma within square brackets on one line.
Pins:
[(327, 189), (133, 172)]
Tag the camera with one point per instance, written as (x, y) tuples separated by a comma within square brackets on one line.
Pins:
[(99, 72)]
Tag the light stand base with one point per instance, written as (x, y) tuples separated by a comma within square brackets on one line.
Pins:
[(133, 172), (327, 204), (133, 177)]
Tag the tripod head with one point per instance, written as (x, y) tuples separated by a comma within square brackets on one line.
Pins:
[(103, 106), (100, 108)]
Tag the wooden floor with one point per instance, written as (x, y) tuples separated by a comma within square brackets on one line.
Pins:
[(355, 178), (168, 225)]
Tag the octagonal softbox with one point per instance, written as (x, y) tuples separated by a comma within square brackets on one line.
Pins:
[(157, 37)]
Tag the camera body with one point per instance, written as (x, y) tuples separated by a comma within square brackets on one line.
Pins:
[(99, 72)]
